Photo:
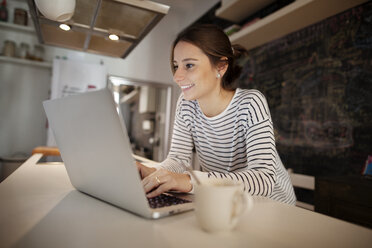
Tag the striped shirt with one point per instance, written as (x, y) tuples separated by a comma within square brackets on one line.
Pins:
[(238, 144)]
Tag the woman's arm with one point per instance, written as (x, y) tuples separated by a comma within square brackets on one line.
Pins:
[(171, 174), (182, 144)]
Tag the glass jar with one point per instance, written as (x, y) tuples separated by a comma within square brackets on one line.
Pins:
[(24, 50), (9, 48), (20, 17), (38, 53)]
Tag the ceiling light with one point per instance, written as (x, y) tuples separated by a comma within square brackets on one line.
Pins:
[(64, 27), (113, 37)]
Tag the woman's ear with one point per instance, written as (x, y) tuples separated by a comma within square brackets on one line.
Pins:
[(222, 66)]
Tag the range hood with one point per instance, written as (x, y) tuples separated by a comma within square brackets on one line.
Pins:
[(94, 20)]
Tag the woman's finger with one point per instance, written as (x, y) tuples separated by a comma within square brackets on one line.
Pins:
[(152, 181), (159, 190), (158, 182), (144, 170), (140, 167)]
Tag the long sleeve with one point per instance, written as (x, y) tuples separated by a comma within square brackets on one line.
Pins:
[(181, 144)]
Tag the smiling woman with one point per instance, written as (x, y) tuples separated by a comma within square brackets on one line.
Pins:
[(230, 128)]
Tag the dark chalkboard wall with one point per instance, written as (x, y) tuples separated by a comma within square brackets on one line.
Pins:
[(318, 83)]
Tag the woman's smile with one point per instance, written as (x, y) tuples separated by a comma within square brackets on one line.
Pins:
[(187, 87)]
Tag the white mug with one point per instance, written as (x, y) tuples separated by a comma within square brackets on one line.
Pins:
[(219, 204), (56, 10)]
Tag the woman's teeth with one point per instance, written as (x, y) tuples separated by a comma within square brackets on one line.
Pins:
[(184, 87)]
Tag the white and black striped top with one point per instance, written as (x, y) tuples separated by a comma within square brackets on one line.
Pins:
[(238, 144)]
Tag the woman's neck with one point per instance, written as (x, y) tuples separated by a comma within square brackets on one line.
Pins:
[(215, 104)]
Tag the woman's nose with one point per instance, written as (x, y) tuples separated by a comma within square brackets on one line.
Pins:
[(178, 75)]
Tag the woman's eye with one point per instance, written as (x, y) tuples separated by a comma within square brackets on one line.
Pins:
[(175, 67), (189, 66)]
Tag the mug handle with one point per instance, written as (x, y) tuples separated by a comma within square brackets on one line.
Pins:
[(241, 201)]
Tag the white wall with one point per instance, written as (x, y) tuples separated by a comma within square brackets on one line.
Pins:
[(149, 61)]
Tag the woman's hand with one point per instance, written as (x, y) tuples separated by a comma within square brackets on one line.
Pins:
[(162, 180), (144, 170)]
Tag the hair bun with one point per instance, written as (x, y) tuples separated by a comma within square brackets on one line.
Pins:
[(238, 51)]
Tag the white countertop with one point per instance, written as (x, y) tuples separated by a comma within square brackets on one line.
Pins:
[(40, 208)]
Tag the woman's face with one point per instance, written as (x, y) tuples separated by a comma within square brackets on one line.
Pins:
[(193, 72)]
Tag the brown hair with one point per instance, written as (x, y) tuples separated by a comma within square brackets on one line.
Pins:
[(215, 44)]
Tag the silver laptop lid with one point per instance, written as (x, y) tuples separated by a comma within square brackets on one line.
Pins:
[(95, 148)]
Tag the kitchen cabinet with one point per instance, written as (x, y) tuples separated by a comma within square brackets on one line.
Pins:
[(297, 15)]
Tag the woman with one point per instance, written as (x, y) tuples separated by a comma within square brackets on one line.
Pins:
[(230, 128)]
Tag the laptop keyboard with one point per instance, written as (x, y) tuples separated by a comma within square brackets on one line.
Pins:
[(165, 201)]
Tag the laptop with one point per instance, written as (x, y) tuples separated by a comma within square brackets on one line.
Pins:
[(94, 145)]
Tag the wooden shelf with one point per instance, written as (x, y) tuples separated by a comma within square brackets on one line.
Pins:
[(25, 62), (288, 19), (16, 27), (237, 10)]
